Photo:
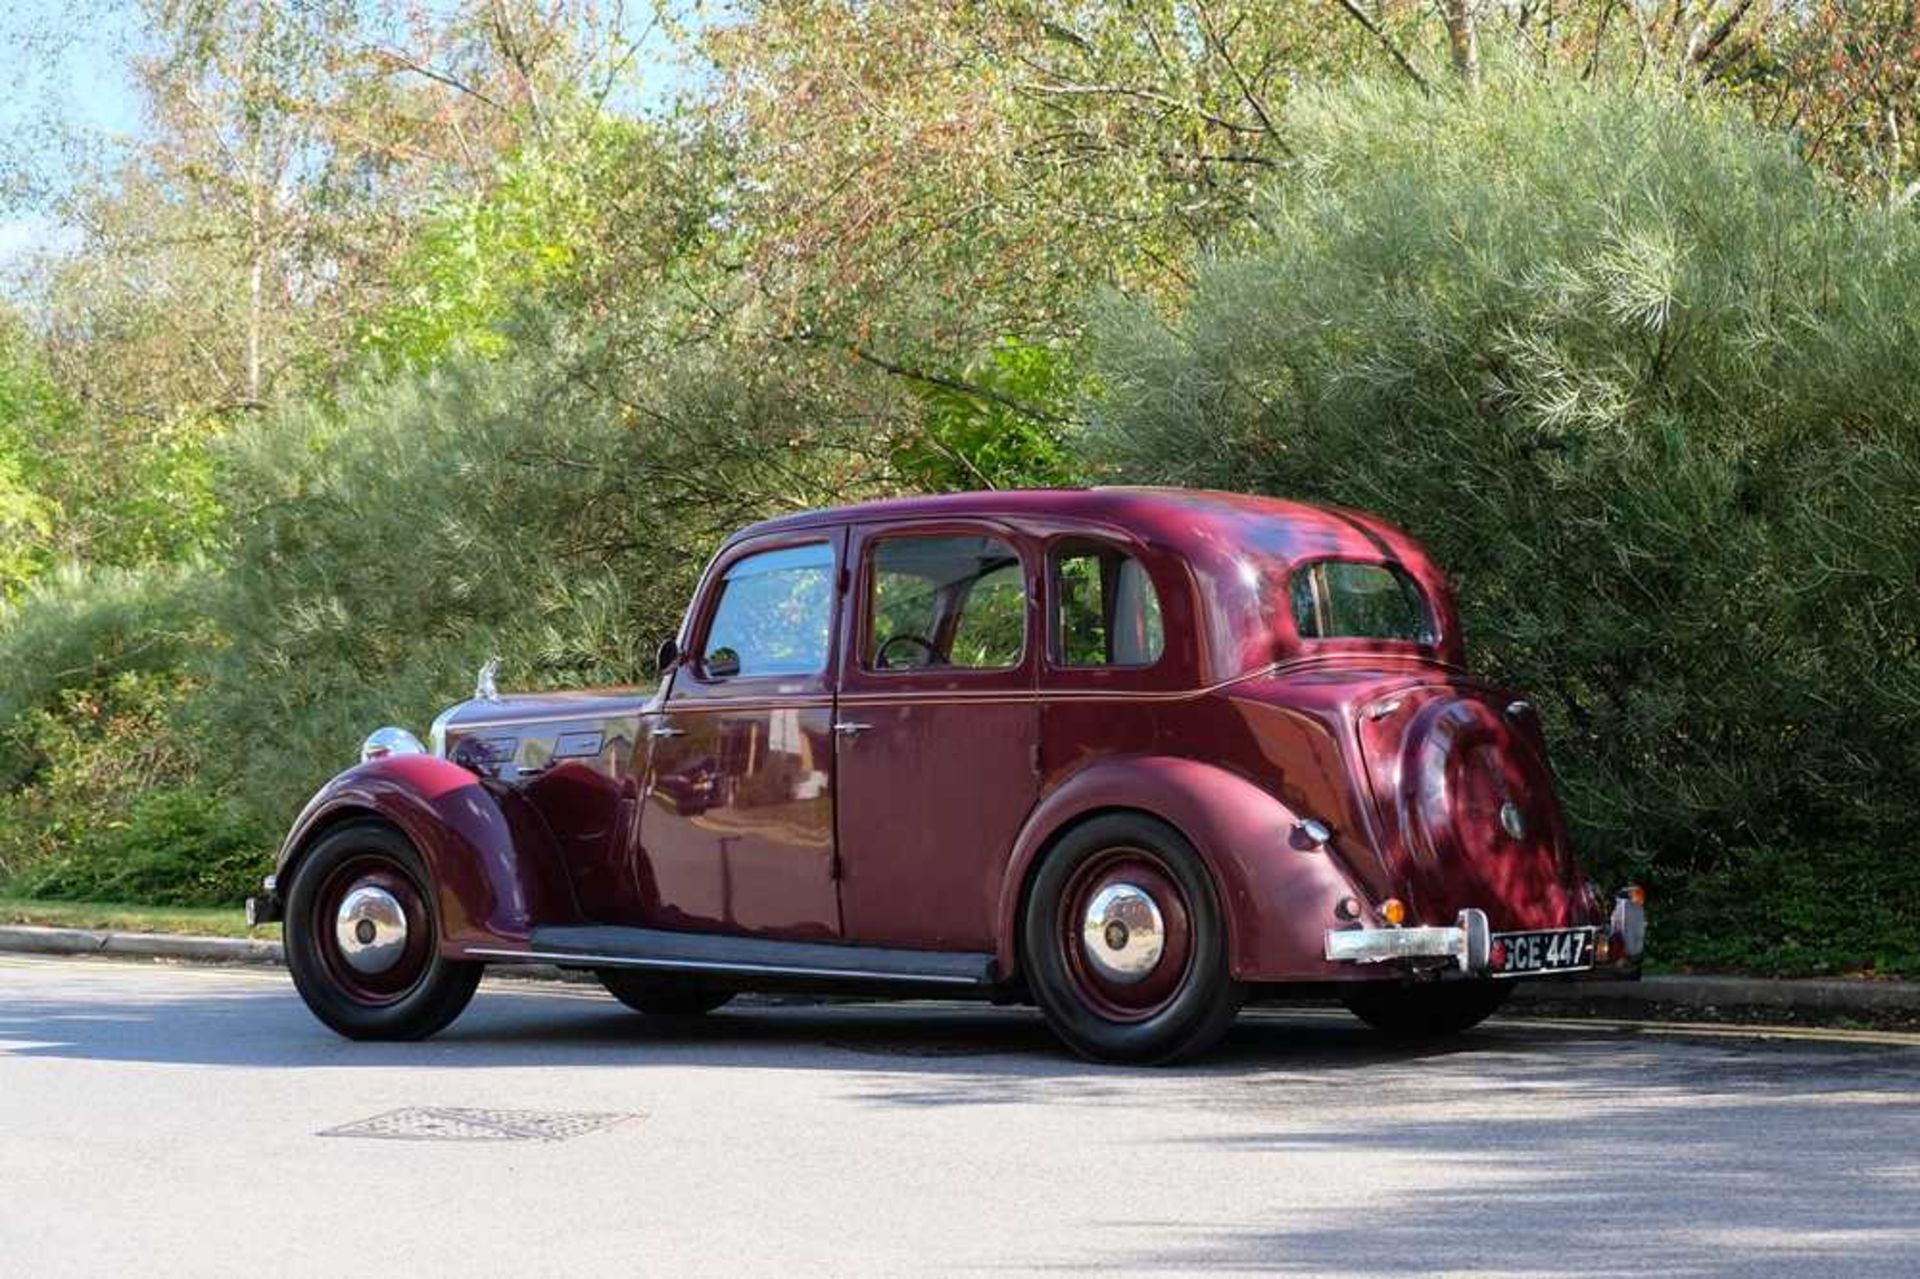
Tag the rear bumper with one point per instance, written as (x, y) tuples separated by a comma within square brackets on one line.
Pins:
[(1467, 943)]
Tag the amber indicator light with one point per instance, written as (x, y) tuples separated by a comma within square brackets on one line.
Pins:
[(1394, 911)]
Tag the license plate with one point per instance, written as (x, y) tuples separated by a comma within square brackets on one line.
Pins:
[(1558, 950)]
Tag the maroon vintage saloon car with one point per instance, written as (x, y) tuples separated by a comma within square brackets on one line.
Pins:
[(1133, 755)]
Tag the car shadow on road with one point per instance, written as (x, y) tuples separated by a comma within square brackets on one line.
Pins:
[(261, 1022)]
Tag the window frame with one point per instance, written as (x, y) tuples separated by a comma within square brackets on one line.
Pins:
[(1056, 603), (863, 593), (713, 591)]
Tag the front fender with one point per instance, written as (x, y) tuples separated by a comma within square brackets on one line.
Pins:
[(1278, 893), (495, 871)]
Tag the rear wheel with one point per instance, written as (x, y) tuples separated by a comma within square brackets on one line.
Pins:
[(1427, 1012), (1125, 945), (362, 941), (661, 996)]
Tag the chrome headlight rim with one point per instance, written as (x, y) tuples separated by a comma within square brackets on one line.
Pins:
[(388, 741)]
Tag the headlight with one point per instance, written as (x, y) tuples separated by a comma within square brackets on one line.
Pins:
[(382, 742)]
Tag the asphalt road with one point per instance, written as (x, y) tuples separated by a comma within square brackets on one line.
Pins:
[(162, 1120)]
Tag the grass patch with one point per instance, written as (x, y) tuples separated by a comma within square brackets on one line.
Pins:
[(199, 921)]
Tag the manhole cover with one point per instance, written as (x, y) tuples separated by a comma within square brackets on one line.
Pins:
[(462, 1123)]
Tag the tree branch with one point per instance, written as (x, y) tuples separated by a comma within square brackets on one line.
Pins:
[(399, 61), (1144, 95), (1233, 69), (1386, 43), (1708, 47), (970, 389)]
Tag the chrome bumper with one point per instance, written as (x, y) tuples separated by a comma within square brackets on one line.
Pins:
[(1467, 943)]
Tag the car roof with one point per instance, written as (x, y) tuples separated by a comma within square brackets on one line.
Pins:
[(1238, 548), (1193, 520)]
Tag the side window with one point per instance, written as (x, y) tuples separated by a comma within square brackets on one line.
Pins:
[(1107, 613), (945, 601), (1345, 599), (774, 614)]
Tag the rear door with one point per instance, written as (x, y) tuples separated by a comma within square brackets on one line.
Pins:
[(938, 728)]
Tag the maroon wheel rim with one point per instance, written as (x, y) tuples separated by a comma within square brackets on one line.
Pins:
[(1127, 872), (397, 979)]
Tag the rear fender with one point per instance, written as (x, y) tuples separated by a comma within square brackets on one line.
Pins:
[(494, 868), (1277, 890)]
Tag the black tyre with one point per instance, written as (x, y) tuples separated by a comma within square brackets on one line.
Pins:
[(1428, 1011), (661, 995), (363, 941), (1124, 943)]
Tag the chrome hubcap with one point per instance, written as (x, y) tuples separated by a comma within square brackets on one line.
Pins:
[(1123, 934), (371, 930)]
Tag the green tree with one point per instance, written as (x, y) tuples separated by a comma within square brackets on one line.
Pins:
[(29, 406)]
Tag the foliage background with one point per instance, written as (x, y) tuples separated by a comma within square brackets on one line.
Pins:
[(397, 338)]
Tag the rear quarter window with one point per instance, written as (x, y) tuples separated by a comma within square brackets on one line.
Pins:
[(1350, 599)]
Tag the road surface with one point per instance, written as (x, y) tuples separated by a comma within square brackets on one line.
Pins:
[(164, 1120)]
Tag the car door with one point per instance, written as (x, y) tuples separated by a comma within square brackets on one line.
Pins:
[(938, 724), (736, 830)]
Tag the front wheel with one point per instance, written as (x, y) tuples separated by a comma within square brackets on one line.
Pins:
[(362, 942), (1125, 945), (1427, 1012)]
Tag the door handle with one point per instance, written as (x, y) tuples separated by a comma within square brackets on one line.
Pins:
[(664, 731), (847, 728)]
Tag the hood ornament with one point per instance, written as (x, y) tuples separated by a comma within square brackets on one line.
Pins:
[(485, 688)]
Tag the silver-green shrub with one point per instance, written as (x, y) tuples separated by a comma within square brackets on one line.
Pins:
[(1649, 390)]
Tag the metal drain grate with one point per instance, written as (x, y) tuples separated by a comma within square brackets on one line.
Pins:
[(462, 1123)]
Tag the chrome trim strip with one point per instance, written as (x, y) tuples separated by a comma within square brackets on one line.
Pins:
[(711, 966), (692, 704), (520, 721)]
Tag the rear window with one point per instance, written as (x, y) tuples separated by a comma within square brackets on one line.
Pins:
[(1344, 599)]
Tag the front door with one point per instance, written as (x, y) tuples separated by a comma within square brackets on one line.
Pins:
[(938, 723), (736, 834)]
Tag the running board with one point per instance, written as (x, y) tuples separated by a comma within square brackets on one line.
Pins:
[(608, 946)]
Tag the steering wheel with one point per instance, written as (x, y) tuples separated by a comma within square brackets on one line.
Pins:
[(925, 646)]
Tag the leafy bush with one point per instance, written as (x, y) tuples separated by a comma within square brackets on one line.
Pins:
[(1805, 909), (173, 848), (97, 747), (1646, 389), (967, 439)]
